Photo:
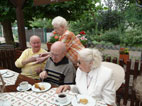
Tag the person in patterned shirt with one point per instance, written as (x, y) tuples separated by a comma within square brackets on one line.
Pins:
[(73, 44)]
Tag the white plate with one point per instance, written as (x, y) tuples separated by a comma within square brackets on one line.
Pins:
[(45, 84), (62, 104), (91, 101), (3, 71), (5, 103), (19, 89), (8, 74)]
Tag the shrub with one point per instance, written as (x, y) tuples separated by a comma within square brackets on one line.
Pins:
[(112, 36)]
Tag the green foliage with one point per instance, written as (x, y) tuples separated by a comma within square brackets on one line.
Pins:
[(112, 36), (41, 23), (124, 51), (132, 37)]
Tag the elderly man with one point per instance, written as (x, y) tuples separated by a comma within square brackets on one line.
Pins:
[(59, 69), (28, 63)]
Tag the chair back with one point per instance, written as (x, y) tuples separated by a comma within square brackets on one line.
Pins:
[(118, 73)]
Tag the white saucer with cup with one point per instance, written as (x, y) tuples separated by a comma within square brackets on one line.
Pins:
[(24, 86), (62, 98)]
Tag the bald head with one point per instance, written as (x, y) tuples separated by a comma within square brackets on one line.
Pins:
[(34, 37), (59, 46), (58, 51)]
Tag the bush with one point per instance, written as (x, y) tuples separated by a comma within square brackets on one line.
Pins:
[(112, 36), (132, 37)]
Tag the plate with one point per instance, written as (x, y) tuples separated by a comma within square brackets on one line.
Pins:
[(19, 89), (3, 71), (62, 104), (91, 101), (45, 84), (5, 103), (8, 74)]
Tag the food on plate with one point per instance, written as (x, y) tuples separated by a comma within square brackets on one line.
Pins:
[(40, 87), (83, 101)]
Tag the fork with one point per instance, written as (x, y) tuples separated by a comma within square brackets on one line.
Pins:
[(77, 99)]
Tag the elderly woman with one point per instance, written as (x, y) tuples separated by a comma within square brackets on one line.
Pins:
[(92, 78), (73, 44)]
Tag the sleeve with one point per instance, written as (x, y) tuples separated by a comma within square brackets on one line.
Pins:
[(109, 92), (70, 75), (23, 56), (68, 39)]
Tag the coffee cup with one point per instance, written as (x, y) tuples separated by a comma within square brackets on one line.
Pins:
[(62, 98), (23, 85)]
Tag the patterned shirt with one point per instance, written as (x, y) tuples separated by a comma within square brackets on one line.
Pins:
[(73, 45)]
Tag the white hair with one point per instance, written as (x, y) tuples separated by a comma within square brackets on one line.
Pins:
[(91, 55), (59, 21), (138, 87)]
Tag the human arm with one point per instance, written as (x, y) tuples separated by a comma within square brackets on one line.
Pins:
[(43, 57), (25, 58), (108, 93)]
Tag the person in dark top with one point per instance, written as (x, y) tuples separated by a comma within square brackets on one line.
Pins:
[(59, 69)]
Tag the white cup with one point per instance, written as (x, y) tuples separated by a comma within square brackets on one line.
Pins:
[(62, 98), (23, 85)]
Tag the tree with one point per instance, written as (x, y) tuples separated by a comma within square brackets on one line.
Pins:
[(7, 17), (71, 10)]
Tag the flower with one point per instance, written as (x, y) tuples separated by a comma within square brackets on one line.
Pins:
[(82, 37), (53, 37), (124, 51)]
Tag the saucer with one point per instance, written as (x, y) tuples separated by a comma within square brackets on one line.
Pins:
[(5, 103), (21, 90), (8, 74), (62, 104)]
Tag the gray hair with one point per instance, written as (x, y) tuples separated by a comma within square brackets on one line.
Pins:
[(138, 87), (88, 54), (59, 21)]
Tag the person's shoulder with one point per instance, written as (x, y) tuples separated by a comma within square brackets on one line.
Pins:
[(43, 50), (27, 50), (69, 33)]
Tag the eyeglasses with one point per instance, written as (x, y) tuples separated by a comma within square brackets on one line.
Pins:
[(78, 62)]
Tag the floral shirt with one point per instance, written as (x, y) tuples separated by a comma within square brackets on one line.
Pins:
[(73, 45)]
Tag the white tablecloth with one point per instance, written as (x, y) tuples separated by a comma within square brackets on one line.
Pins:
[(30, 98), (10, 80)]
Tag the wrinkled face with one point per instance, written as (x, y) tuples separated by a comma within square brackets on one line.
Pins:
[(84, 66), (58, 29), (56, 55), (35, 44)]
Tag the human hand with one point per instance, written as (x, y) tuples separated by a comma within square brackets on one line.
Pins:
[(43, 75), (44, 54), (38, 70), (62, 88)]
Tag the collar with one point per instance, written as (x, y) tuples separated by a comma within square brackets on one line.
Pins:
[(63, 61)]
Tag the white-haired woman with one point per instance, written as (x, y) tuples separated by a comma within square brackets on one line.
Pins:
[(72, 43), (92, 78)]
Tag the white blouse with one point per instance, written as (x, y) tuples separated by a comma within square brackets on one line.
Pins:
[(97, 83)]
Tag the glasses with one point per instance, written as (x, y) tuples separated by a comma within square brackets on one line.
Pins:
[(78, 62), (55, 55)]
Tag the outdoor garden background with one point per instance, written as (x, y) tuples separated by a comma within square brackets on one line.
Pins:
[(108, 24)]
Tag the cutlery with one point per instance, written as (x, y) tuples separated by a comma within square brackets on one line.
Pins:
[(77, 99)]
